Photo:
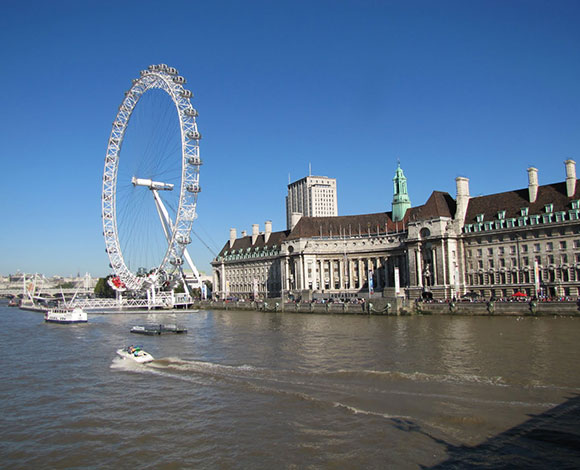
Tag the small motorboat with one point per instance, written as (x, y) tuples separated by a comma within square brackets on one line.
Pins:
[(65, 315), (135, 353)]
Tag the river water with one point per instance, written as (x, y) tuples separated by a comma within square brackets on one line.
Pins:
[(275, 390)]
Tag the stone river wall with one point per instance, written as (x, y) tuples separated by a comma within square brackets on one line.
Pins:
[(400, 306)]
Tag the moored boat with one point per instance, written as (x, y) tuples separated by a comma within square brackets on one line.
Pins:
[(66, 315), (158, 329), (135, 353)]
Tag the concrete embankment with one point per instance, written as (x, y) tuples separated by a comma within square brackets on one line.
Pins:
[(403, 307)]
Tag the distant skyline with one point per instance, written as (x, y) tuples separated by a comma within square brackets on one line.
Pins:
[(481, 89)]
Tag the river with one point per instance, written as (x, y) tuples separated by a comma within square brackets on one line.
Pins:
[(277, 390)]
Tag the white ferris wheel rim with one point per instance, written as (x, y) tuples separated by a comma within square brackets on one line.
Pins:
[(167, 79)]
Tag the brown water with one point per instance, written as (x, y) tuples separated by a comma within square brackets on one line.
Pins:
[(274, 390)]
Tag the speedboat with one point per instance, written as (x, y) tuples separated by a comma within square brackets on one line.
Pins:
[(135, 353), (66, 315)]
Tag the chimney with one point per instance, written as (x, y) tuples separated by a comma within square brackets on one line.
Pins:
[(570, 177), (232, 237), (294, 218), (267, 230), (255, 233), (462, 185), (533, 184), (244, 233)]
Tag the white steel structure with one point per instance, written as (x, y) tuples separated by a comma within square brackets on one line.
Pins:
[(177, 228)]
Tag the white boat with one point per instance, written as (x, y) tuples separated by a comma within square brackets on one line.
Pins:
[(66, 315), (135, 353)]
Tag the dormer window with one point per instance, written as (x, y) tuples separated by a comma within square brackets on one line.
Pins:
[(479, 218), (549, 208), (501, 215), (524, 211), (575, 204)]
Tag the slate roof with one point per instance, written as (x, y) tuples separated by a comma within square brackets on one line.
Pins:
[(439, 204), (513, 201), (276, 238), (308, 227)]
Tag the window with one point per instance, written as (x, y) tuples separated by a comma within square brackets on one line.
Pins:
[(576, 204), (524, 211), (551, 259), (563, 245), (491, 264), (502, 263), (501, 250), (490, 251), (501, 215), (549, 246), (564, 258), (524, 248), (536, 247), (479, 217), (513, 250), (549, 208), (526, 261)]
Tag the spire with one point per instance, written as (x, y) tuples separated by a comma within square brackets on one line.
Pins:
[(401, 201)]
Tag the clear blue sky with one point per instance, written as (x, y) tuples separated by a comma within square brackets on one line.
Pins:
[(481, 89)]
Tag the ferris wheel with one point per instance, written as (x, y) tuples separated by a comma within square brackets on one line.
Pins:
[(156, 181)]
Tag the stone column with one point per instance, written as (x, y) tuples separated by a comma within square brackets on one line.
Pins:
[(331, 273), (435, 265), (287, 273), (341, 268), (419, 267), (444, 262)]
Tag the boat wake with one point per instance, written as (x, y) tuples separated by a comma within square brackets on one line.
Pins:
[(366, 393)]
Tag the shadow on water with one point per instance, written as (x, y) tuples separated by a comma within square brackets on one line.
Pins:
[(547, 440)]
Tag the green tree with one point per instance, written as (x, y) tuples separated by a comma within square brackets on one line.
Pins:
[(103, 289)]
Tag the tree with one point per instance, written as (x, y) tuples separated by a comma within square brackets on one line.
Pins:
[(103, 289)]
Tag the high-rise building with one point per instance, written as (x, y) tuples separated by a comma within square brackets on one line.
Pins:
[(311, 196)]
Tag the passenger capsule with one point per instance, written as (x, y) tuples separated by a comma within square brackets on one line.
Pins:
[(193, 188), (187, 94), (179, 79), (194, 161), (172, 71), (193, 135), (191, 112)]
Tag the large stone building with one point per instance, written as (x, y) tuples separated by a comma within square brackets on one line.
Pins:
[(525, 240)]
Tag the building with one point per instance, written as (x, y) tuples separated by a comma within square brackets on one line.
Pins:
[(525, 240), (312, 196)]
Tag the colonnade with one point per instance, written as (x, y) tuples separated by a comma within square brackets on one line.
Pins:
[(345, 273)]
